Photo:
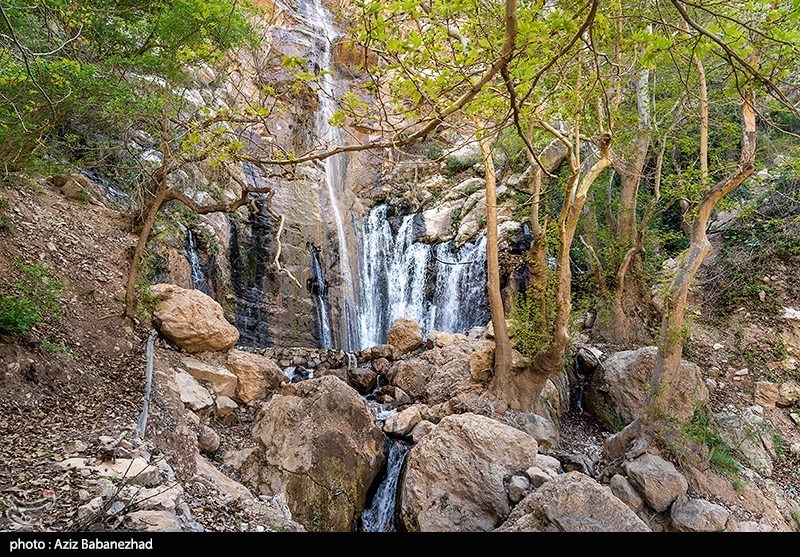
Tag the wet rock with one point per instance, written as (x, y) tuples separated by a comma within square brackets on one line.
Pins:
[(405, 335), (622, 488), (698, 515), (257, 375), (363, 379), (481, 362), (208, 439), (657, 480), (454, 477), (191, 319), (618, 389), (572, 502), (192, 393), (402, 423), (320, 446), (518, 488), (219, 380)]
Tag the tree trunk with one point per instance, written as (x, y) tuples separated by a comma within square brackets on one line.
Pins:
[(666, 381), (502, 352), (141, 245)]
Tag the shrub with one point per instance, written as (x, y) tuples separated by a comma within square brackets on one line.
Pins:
[(23, 304)]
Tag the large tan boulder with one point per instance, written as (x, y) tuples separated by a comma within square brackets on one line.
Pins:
[(454, 477), (257, 375), (321, 447), (192, 320), (405, 335), (573, 502), (618, 390), (657, 480)]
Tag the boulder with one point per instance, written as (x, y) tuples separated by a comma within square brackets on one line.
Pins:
[(454, 477), (750, 434), (80, 188), (767, 393), (220, 381), (152, 521), (207, 440), (411, 375), (698, 515), (538, 476), (657, 480), (543, 430), (385, 351), (405, 335), (518, 488), (422, 429), (618, 388), (625, 492), (135, 471), (481, 362), (789, 393), (573, 502), (363, 379), (257, 375), (402, 423), (193, 394), (225, 406), (192, 320), (322, 449)]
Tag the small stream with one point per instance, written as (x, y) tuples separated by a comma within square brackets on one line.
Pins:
[(379, 514)]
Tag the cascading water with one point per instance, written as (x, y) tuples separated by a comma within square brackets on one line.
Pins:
[(320, 22), (378, 516), (199, 281), (318, 289), (438, 286)]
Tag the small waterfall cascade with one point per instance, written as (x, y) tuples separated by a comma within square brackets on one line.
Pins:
[(199, 280), (319, 20), (379, 514), (438, 286), (319, 294), (250, 264)]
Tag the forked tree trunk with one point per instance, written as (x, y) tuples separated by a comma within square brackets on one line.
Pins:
[(666, 381)]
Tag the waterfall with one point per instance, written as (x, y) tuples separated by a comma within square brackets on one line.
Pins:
[(199, 281), (438, 286), (318, 289), (319, 20), (378, 516)]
